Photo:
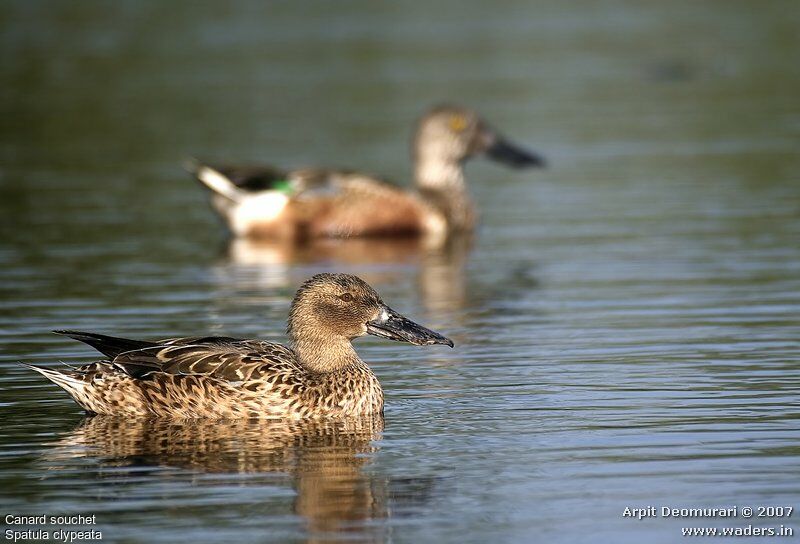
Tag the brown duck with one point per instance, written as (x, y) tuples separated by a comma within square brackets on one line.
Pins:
[(318, 375), (264, 202)]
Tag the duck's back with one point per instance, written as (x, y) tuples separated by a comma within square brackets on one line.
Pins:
[(212, 377), (357, 204), (264, 202)]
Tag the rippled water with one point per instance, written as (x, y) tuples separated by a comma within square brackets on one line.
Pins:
[(627, 322)]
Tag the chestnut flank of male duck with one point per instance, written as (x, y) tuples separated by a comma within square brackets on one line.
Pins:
[(319, 374), (306, 203)]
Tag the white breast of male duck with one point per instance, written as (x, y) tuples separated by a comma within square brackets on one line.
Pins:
[(257, 211)]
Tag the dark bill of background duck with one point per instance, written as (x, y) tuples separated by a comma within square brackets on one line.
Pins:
[(501, 150)]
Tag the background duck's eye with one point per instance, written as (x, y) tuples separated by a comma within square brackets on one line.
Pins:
[(346, 297), (458, 123)]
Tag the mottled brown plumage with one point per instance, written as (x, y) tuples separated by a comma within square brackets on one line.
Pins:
[(265, 202), (320, 374)]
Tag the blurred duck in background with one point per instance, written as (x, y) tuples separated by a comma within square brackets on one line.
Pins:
[(311, 203)]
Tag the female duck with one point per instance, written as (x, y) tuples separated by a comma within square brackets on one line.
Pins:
[(263, 202), (220, 377)]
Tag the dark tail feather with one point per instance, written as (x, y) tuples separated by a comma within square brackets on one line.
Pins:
[(110, 346)]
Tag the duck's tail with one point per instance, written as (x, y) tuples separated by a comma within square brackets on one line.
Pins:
[(68, 381), (213, 179)]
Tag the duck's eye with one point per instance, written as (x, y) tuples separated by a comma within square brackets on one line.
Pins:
[(346, 297), (458, 123)]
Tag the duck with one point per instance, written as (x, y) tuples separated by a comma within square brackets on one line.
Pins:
[(319, 374), (265, 202)]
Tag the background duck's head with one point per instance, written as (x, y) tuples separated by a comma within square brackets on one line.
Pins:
[(453, 134), (331, 308)]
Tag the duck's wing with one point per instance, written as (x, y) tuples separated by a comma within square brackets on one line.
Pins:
[(356, 204), (221, 357), (182, 377), (336, 180), (315, 202), (237, 182), (215, 357), (110, 346), (255, 178)]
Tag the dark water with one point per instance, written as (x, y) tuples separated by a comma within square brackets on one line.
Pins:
[(627, 322)]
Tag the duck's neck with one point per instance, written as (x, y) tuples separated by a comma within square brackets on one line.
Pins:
[(441, 182), (325, 354)]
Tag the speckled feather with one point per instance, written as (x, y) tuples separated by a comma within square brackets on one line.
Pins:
[(223, 377), (320, 375), (218, 378)]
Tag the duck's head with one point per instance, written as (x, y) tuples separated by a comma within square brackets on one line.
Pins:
[(332, 307), (453, 134)]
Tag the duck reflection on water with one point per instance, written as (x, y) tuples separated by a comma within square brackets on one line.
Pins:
[(438, 269), (323, 459)]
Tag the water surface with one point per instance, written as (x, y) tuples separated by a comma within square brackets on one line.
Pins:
[(627, 322)]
